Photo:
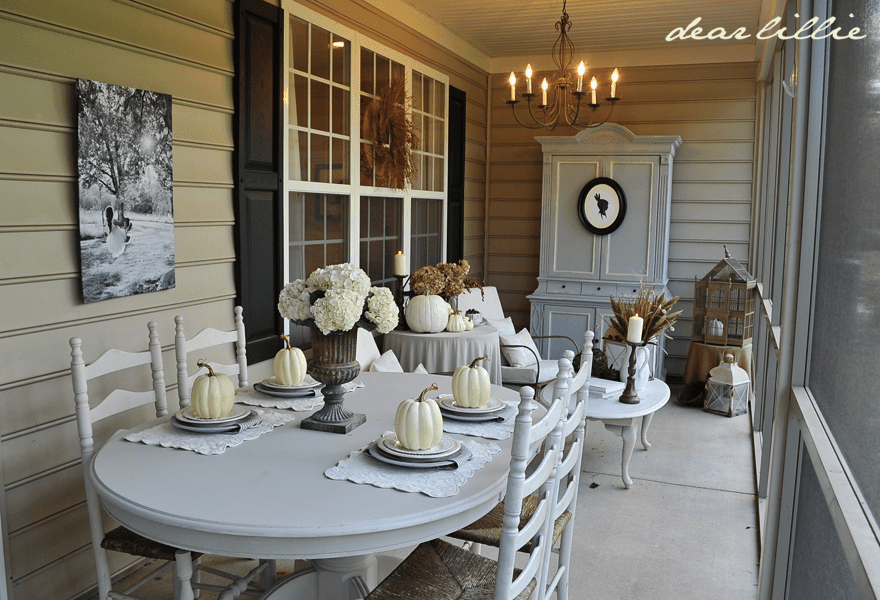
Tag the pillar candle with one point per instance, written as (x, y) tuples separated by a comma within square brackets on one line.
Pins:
[(634, 329), (400, 266)]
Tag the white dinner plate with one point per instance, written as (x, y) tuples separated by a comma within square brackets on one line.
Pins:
[(447, 403), (447, 447), (308, 383), (251, 419), (237, 413)]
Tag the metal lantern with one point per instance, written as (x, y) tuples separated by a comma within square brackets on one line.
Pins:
[(724, 305), (727, 391)]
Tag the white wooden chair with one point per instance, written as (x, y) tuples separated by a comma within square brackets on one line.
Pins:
[(438, 570), (538, 374), (205, 339), (208, 338), (367, 350), (574, 393), (117, 401)]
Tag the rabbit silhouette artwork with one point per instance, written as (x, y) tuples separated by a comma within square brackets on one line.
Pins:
[(603, 206)]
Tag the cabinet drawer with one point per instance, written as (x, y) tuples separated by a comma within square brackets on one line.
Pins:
[(564, 287), (600, 288)]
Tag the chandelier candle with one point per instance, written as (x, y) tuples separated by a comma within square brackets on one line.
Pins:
[(512, 86), (614, 77)]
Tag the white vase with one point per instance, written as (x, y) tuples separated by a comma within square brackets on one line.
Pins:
[(643, 366)]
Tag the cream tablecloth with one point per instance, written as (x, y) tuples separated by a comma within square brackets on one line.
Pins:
[(445, 351)]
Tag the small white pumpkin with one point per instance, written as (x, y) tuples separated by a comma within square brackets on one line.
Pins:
[(418, 423), (213, 394), (468, 324), (456, 323), (470, 385), (290, 364), (427, 313)]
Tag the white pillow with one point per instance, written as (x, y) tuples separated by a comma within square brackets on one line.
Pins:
[(504, 326), (519, 357), (387, 363), (421, 369)]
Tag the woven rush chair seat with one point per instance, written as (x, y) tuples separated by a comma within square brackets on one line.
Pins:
[(124, 540), (455, 574), (487, 529)]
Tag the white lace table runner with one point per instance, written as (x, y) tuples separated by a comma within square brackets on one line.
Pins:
[(493, 430), (248, 395), (361, 468), (168, 436)]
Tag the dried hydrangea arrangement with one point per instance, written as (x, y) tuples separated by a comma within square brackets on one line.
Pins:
[(655, 310), (445, 279), (337, 298)]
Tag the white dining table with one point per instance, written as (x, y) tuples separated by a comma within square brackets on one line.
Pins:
[(269, 498)]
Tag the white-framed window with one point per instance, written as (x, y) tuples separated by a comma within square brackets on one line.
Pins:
[(339, 208)]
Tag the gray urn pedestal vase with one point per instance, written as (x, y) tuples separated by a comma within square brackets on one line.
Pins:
[(334, 364)]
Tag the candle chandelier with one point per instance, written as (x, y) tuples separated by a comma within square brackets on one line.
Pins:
[(567, 92)]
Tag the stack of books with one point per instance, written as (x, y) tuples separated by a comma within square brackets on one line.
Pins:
[(605, 388)]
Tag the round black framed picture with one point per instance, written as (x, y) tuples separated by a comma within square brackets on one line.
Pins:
[(601, 205)]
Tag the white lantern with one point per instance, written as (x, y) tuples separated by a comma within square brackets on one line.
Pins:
[(727, 391)]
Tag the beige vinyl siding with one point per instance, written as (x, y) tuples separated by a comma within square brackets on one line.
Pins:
[(182, 48), (463, 75), (712, 108)]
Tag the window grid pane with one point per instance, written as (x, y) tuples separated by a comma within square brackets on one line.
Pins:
[(425, 230), (429, 120), (319, 97), (381, 218)]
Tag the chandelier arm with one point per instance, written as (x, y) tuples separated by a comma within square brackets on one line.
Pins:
[(590, 125), (513, 104), (551, 124)]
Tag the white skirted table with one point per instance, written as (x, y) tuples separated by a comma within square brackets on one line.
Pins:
[(269, 497), (621, 419), (444, 352)]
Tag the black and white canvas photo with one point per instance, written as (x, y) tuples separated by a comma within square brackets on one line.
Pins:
[(126, 213)]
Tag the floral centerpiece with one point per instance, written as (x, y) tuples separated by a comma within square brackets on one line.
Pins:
[(446, 279), (338, 298), (333, 302)]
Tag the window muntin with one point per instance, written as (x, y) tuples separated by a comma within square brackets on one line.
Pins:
[(319, 95), (425, 242), (381, 236), (429, 122)]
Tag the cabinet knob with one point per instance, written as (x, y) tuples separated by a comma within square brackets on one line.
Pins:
[(598, 288), (563, 286)]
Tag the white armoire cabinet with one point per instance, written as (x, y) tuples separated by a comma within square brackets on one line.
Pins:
[(579, 269)]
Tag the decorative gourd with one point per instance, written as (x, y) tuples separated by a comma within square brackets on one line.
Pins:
[(418, 423), (468, 324), (470, 385), (213, 394), (427, 313), (456, 323), (290, 364)]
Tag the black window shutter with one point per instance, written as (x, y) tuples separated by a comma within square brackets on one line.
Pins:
[(455, 177), (259, 36)]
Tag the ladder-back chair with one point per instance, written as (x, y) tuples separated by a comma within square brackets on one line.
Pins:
[(207, 338), (438, 570), (118, 401)]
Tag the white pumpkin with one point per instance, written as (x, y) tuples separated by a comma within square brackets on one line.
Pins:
[(427, 313), (470, 385), (213, 394), (456, 323), (290, 364), (418, 423), (468, 324)]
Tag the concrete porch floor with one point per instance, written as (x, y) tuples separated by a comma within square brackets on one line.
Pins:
[(687, 529)]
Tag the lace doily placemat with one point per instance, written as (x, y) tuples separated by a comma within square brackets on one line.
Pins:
[(361, 468), (248, 395), (168, 436), (493, 430)]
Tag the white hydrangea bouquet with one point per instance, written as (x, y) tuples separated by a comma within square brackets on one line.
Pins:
[(337, 298)]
